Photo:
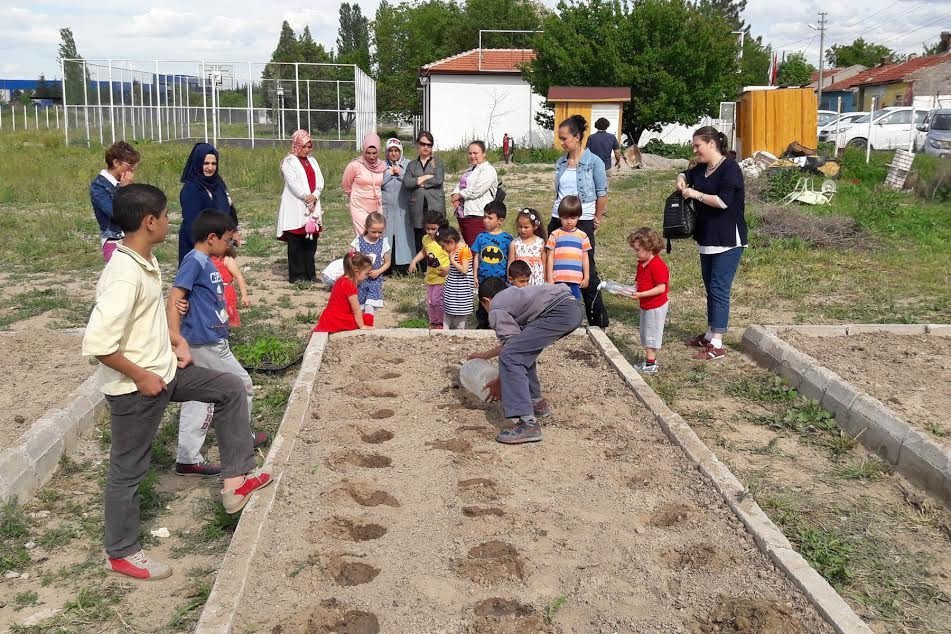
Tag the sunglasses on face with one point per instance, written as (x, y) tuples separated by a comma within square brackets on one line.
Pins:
[(423, 144)]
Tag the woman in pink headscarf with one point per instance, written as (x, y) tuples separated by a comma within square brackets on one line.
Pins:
[(363, 183), (299, 217)]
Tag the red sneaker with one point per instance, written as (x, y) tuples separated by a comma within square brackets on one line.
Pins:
[(259, 438), (235, 499), (139, 566), (710, 353), (700, 341)]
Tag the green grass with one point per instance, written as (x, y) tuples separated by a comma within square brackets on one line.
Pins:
[(92, 608), (26, 599), (14, 532), (868, 470), (39, 301), (268, 350)]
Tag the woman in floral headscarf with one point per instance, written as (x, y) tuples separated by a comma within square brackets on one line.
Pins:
[(399, 227), (362, 182), (299, 217)]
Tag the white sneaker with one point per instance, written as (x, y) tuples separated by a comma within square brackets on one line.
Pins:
[(643, 368)]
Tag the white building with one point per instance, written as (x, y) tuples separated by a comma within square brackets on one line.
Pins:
[(480, 94)]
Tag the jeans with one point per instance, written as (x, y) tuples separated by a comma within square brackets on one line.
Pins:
[(718, 271), (593, 302), (196, 416), (135, 420)]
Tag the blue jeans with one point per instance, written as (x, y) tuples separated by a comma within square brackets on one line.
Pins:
[(574, 288), (718, 272)]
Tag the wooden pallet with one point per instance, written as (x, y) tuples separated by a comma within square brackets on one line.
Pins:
[(898, 169)]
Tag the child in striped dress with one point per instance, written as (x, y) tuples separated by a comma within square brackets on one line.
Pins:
[(458, 289)]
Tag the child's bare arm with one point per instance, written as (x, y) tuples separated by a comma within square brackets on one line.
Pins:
[(475, 270), (491, 353), (459, 266), (657, 290), (511, 252), (416, 260), (387, 260), (357, 313), (171, 311), (232, 265), (549, 267), (585, 267)]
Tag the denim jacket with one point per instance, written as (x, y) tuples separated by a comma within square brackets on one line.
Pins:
[(101, 193), (592, 179)]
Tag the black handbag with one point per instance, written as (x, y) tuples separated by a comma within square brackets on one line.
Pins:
[(680, 218)]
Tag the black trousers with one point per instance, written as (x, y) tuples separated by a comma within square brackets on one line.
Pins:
[(300, 258), (594, 308)]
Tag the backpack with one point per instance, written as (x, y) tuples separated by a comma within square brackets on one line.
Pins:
[(499, 193), (680, 218)]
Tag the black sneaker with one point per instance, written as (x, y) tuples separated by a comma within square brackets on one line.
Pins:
[(201, 470), (524, 431)]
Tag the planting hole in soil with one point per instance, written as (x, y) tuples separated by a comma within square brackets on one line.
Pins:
[(380, 414), (368, 390), (330, 616), (462, 428), (751, 616), (444, 556), (671, 514), (377, 437), (390, 375)]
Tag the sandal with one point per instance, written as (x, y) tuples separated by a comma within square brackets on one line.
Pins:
[(709, 353)]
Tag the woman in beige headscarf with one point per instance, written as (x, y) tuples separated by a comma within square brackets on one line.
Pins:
[(362, 182)]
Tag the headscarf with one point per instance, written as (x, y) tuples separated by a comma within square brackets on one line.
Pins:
[(298, 140), (373, 140), (390, 143), (193, 173)]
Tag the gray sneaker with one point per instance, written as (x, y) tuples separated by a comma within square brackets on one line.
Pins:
[(643, 368), (527, 430)]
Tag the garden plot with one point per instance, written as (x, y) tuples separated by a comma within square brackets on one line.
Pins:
[(910, 374), (398, 512)]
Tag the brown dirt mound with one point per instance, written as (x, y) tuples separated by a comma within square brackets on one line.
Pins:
[(482, 511), (591, 359), (751, 616), (670, 514), (344, 528), (330, 616), (455, 445), (377, 437), (368, 390), (827, 232), (391, 375), (693, 556), (492, 562), (502, 607), (351, 573), (474, 428), (380, 414), (480, 489), (368, 496), (358, 459)]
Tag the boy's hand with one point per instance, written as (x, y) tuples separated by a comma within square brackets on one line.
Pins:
[(181, 305), (412, 268), (584, 283), (183, 353), (495, 390), (150, 384)]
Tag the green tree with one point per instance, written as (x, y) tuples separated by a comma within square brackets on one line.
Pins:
[(679, 62), (858, 52), (795, 71), (73, 75), (935, 48), (754, 66), (43, 90), (353, 37)]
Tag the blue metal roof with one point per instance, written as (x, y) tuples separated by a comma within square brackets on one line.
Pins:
[(23, 84)]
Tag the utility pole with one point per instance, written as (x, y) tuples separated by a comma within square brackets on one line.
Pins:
[(822, 37)]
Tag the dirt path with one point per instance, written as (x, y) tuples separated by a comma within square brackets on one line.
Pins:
[(910, 374), (404, 515)]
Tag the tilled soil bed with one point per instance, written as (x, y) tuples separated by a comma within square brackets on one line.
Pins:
[(398, 512), (909, 374)]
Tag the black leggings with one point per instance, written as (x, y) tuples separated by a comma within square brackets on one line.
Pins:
[(300, 258)]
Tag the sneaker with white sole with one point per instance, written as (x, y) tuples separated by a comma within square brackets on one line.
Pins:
[(139, 566), (235, 499), (644, 368)]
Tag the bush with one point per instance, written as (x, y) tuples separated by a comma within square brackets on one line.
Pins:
[(932, 177), (668, 150)]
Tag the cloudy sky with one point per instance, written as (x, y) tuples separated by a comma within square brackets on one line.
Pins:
[(247, 30)]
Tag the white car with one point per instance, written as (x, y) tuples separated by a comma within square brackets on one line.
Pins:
[(826, 116), (838, 126), (891, 129)]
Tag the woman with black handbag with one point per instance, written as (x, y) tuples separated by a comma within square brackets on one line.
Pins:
[(716, 185)]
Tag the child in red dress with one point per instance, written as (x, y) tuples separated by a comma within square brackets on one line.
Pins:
[(231, 273), (343, 309)]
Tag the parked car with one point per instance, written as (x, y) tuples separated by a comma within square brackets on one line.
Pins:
[(838, 126), (891, 129), (826, 116), (937, 129)]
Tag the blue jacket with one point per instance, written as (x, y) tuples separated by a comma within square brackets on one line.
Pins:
[(101, 193), (592, 179)]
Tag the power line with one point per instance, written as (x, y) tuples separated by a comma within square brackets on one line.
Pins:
[(946, 16)]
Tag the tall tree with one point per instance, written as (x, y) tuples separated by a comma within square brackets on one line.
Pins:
[(795, 71), (679, 61), (73, 75), (353, 37), (858, 52)]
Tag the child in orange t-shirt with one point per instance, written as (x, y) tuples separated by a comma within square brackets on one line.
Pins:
[(343, 308), (459, 287)]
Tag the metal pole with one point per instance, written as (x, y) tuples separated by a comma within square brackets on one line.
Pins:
[(112, 105), (250, 105), (151, 112), (132, 98), (85, 101), (47, 112), (62, 66), (307, 81), (26, 122), (297, 91), (868, 140), (214, 111), (122, 99), (56, 112), (1, 119), (174, 111), (13, 118), (839, 110), (158, 102), (188, 110), (36, 115), (822, 40), (99, 108), (204, 99), (338, 106)]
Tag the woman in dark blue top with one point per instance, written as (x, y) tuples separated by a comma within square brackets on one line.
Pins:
[(203, 189), (716, 185)]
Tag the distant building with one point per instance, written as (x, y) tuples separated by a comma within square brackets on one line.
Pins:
[(480, 94), (10, 86), (893, 84)]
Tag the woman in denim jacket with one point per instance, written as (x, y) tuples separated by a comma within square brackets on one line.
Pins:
[(581, 173)]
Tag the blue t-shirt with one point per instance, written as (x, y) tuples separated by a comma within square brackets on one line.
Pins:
[(603, 144), (493, 252), (206, 321)]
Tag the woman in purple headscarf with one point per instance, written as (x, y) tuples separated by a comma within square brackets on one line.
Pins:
[(363, 183)]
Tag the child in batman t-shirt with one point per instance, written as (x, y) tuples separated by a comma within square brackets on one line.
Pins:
[(490, 251)]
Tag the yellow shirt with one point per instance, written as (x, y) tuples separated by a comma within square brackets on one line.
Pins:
[(129, 317), (436, 258)]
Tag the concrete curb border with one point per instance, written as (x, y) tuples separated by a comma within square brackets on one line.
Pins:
[(768, 537), (845, 330), (914, 455), (30, 463)]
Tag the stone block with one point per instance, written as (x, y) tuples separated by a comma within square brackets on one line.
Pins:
[(893, 329), (939, 330), (765, 533), (770, 352), (16, 474), (753, 336), (817, 330), (815, 381), (881, 430), (794, 366), (44, 443), (838, 398), (925, 462)]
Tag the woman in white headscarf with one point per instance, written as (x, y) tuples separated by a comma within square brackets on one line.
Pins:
[(399, 227)]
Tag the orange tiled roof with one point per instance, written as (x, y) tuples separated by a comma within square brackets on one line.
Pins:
[(486, 60), (889, 73)]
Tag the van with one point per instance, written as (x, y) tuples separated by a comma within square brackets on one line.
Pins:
[(891, 129)]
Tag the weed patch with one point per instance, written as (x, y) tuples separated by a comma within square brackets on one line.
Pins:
[(268, 351)]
